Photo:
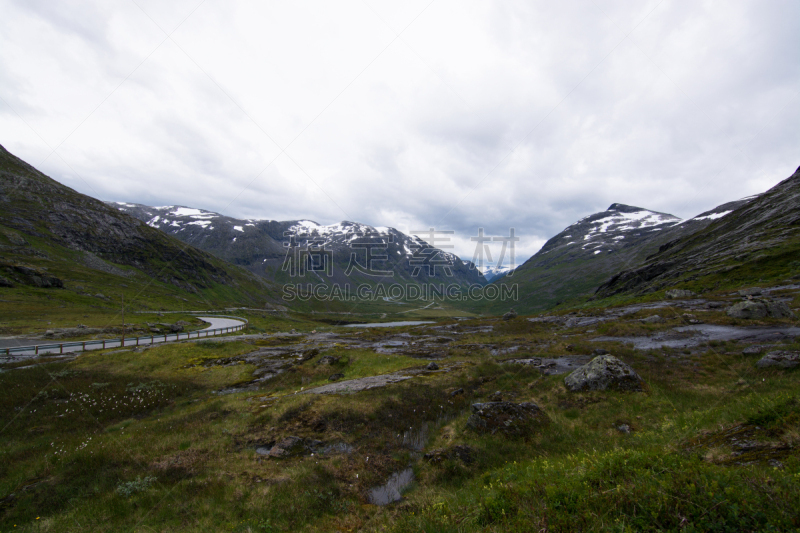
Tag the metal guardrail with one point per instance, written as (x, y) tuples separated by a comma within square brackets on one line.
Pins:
[(41, 349)]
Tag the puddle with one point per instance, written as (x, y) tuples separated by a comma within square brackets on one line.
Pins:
[(416, 438), (390, 491), (390, 324), (263, 450)]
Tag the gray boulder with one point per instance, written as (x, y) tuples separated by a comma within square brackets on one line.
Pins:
[(748, 309), (779, 310), (780, 359), (679, 293), (465, 453), (753, 350), (602, 373), (755, 309), (510, 315), (655, 319), (506, 417)]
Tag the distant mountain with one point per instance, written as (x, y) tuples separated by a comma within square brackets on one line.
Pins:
[(264, 247), (51, 236), (492, 273), (587, 253), (758, 239)]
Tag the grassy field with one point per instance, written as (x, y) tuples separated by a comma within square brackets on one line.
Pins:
[(140, 441)]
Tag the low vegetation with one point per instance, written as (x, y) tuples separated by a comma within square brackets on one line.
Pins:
[(146, 440)]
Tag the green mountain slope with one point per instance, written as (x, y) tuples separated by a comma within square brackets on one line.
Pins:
[(758, 241), (587, 253), (58, 243)]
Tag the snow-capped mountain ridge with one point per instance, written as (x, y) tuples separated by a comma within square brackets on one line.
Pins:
[(606, 231), (263, 244)]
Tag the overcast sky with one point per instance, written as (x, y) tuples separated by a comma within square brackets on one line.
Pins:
[(447, 114)]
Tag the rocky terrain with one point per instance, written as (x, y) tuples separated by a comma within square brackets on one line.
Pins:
[(262, 246)]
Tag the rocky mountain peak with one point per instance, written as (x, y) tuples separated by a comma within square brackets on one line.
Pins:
[(624, 208)]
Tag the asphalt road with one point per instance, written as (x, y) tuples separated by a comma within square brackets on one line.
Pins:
[(215, 327)]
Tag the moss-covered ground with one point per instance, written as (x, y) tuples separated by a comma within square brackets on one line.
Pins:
[(142, 441)]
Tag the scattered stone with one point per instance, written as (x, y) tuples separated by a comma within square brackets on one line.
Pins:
[(432, 366), (289, 447), (569, 347), (461, 452), (774, 463), (496, 396), (328, 360), (780, 358), (307, 355), (753, 350), (5, 282), (336, 377), (655, 319), (457, 392), (599, 351), (679, 293), (753, 291), (604, 372), (748, 310), (505, 417), (689, 318), (714, 305), (510, 315), (624, 428)]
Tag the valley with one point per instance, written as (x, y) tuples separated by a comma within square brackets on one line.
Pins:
[(646, 379)]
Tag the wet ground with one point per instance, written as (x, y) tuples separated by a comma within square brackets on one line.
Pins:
[(691, 336)]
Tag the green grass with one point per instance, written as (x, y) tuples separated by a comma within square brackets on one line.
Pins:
[(140, 441)]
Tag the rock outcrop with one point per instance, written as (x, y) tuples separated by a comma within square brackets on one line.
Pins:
[(780, 359), (755, 309), (602, 373), (506, 417)]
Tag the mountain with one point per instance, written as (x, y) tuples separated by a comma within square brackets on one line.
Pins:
[(754, 241), (264, 247), (493, 274), (587, 253), (51, 235)]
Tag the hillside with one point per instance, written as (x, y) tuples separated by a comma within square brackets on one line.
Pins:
[(757, 241), (261, 246), (54, 238), (585, 254)]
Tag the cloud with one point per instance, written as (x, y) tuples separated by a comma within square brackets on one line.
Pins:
[(454, 115)]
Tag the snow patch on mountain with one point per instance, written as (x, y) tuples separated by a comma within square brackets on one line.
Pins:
[(712, 216)]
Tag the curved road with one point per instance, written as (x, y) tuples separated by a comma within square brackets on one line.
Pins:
[(216, 326)]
